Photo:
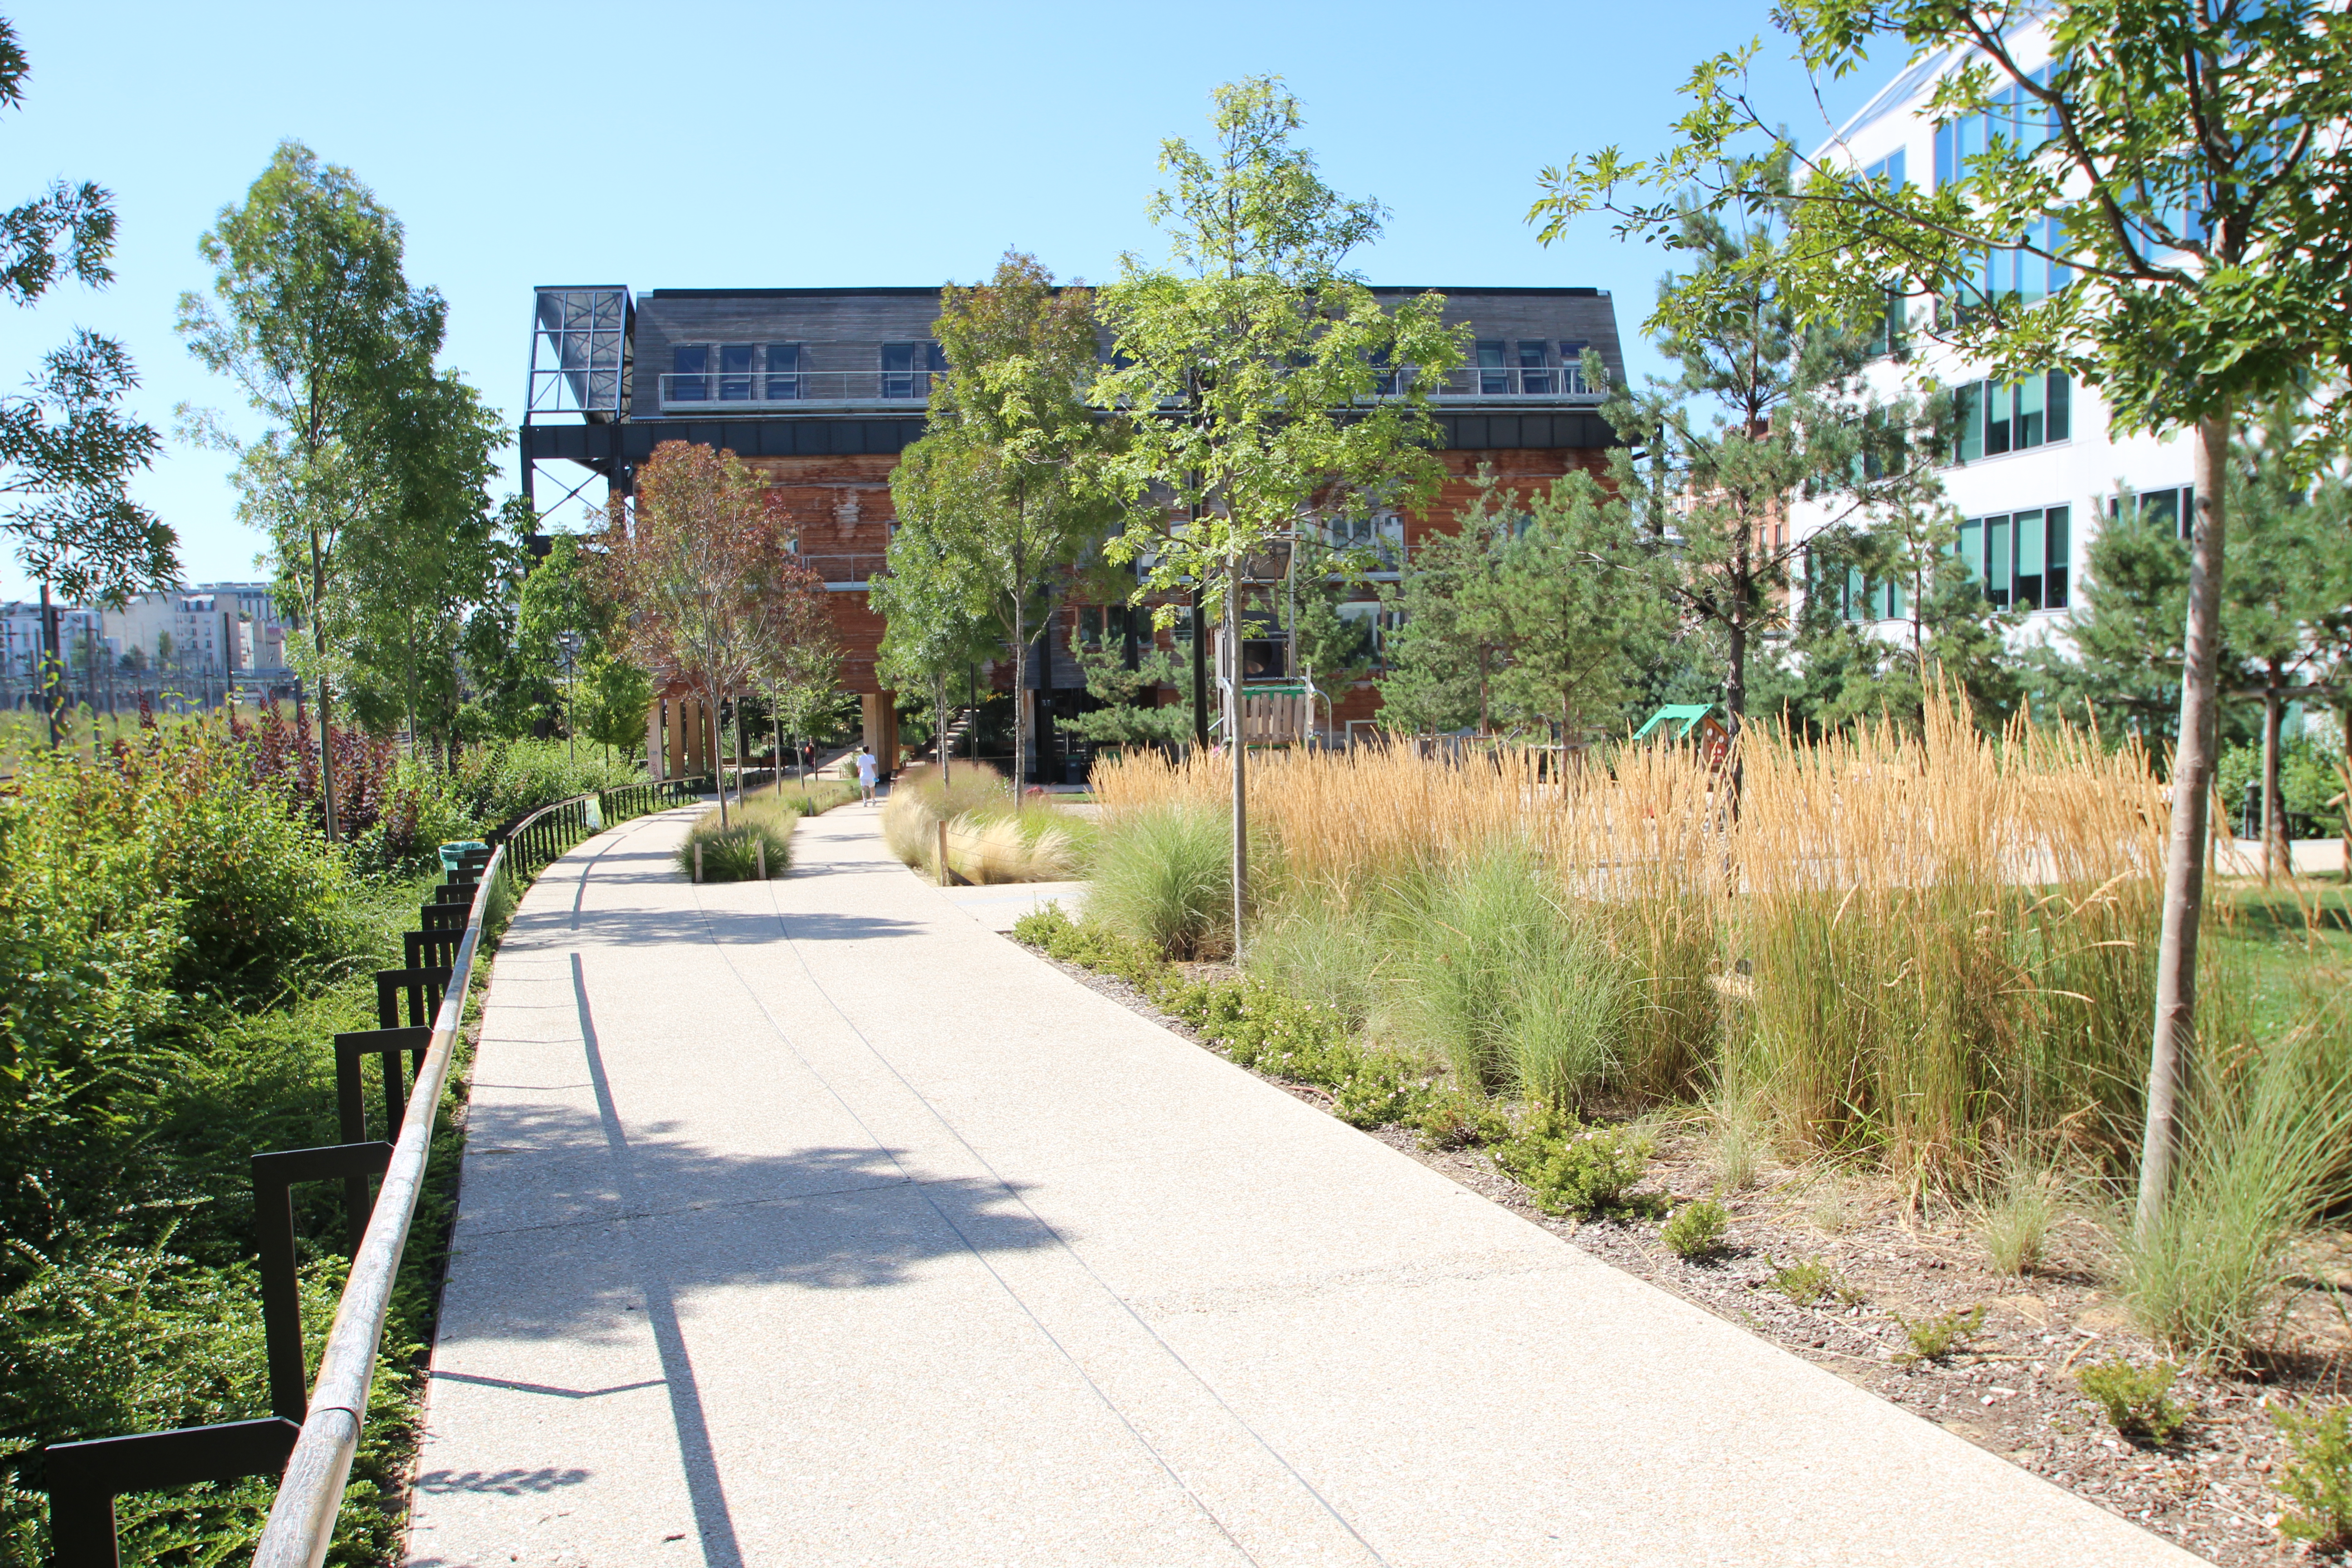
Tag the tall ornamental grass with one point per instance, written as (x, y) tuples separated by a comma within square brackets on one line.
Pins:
[(992, 836), (1164, 876), (1504, 982), (1926, 944)]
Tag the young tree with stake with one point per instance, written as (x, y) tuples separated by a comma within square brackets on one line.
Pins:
[(1247, 378), (702, 575)]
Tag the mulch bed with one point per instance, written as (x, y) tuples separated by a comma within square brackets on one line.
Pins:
[(2006, 1388)]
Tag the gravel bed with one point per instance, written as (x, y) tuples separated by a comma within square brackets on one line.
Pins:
[(2006, 1388)]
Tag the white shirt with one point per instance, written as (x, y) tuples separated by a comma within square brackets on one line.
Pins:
[(866, 767)]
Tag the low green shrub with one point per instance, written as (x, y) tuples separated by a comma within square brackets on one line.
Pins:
[(502, 780), (1257, 1026), (1569, 1168), (1696, 1228), (2317, 1477), (1452, 1120), (1934, 1337), (2135, 1398), (1164, 876), (1810, 1282), (733, 853)]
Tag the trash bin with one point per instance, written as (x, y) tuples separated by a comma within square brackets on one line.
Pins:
[(452, 854)]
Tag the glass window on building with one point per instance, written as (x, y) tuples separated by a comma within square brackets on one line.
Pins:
[(1994, 417), (1494, 375), (908, 368), (783, 368), (735, 373), (691, 365), (2022, 559), (1572, 365), (2176, 508), (1535, 374)]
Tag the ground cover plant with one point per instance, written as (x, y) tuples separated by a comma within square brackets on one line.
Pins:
[(992, 835)]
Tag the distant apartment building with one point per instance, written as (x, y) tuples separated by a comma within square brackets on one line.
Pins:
[(212, 631), (81, 641), (2034, 470), (819, 390)]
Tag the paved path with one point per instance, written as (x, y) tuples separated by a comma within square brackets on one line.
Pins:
[(810, 1222)]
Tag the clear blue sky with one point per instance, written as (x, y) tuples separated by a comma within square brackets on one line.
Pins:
[(701, 146)]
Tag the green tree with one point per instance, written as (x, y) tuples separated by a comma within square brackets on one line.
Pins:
[(937, 618), (609, 702), (2285, 586), (1768, 409), (1942, 632), (999, 481), (315, 321), (1448, 648), (66, 449), (712, 597), (1246, 376), (1574, 626), (559, 623), (2178, 166), (432, 556)]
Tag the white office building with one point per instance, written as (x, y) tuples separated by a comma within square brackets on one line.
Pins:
[(2036, 468)]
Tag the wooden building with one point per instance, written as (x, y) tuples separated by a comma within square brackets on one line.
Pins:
[(820, 389)]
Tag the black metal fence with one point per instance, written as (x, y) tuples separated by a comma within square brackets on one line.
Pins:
[(313, 1431)]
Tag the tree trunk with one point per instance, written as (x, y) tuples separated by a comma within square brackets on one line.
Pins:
[(740, 759), (2275, 855), (2170, 1052), (1240, 751), (1734, 703), (939, 716), (1200, 676), (326, 698), (1020, 686), (708, 743)]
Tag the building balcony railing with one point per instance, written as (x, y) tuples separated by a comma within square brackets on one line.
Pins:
[(759, 392), (845, 571), (710, 392)]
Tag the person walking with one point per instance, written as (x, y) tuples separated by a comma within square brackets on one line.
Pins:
[(808, 758), (867, 767)]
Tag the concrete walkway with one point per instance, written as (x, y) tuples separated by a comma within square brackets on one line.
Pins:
[(811, 1222)]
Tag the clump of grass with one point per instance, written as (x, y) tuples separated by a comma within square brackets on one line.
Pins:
[(2013, 1226), (1501, 982), (1696, 1228), (991, 837), (2137, 1399), (2317, 1477), (1833, 1212), (756, 829), (1737, 1145), (1164, 876), (1934, 1337), (1316, 948), (2264, 1160)]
